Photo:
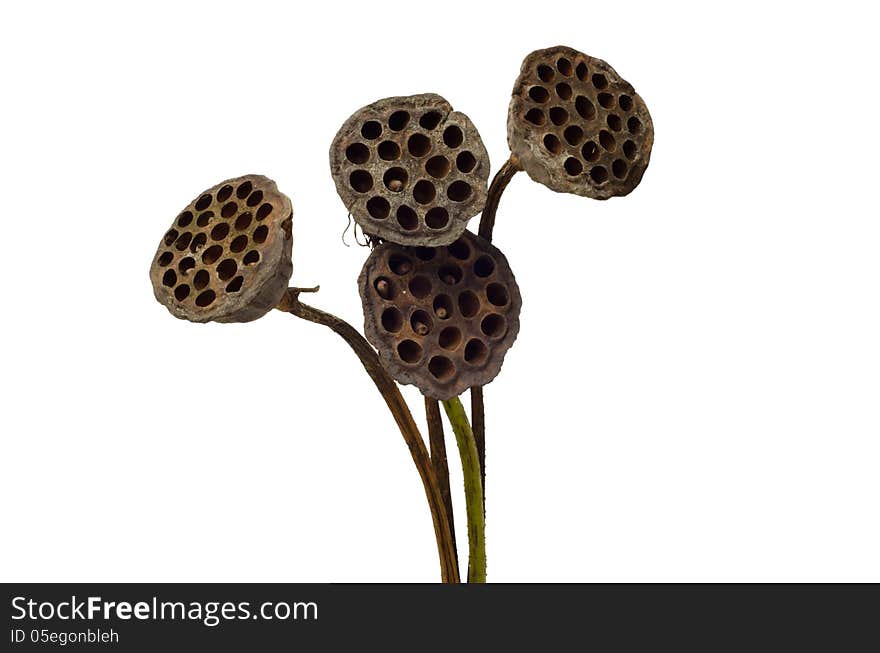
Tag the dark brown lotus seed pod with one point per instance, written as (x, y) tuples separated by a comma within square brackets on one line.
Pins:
[(576, 126), (410, 169), (442, 318), (226, 258)]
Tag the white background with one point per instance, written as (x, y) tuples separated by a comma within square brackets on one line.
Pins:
[(694, 392)]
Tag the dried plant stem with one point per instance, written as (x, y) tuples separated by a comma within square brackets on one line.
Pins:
[(473, 490), (437, 443), (399, 409)]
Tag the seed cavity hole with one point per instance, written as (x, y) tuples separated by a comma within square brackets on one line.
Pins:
[(437, 166), (378, 207), (418, 145), (398, 120), (206, 298), (558, 116), (437, 217), (420, 286), (357, 153), (493, 325), (443, 306), (441, 368), (453, 136), (459, 191), (468, 303), (388, 151), (497, 295), (407, 218), (449, 338), (421, 323), (424, 192), (395, 179), (392, 319), (450, 274), (371, 130), (430, 120), (409, 351)]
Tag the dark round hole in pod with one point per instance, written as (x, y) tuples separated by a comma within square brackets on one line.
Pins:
[(227, 269), (392, 319), (244, 189), (437, 218), (170, 236), (371, 130), (563, 65), (165, 259), (203, 202), (186, 264), (421, 323), (261, 233), (535, 116), (183, 241), (625, 102), (424, 192), (606, 100), (220, 231), (552, 143), (385, 288), (212, 254), (468, 303), (493, 325), (599, 80), (546, 73), (450, 274), (357, 153), (399, 264), (229, 209), (206, 298), (475, 352), (441, 368), (459, 249), (430, 120), (418, 145), (590, 151), (407, 218), (169, 278), (634, 125), (378, 207), (630, 150), (599, 174), (558, 116), (238, 244), (539, 94), (453, 136), (437, 166), (235, 285), (614, 122), (443, 306), (420, 286), (395, 179), (409, 351), (449, 338), (425, 253), (459, 191), (388, 151), (607, 141), (243, 221), (184, 219), (255, 198), (361, 181), (581, 71), (224, 193), (573, 166), (497, 295), (465, 162), (585, 108), (197, 243), (563, 90), (573, 135), (204, 219), (201, 279), (484, 266), (264, 211), (398, 120), (181, 292), (619, 168), (251, 257)]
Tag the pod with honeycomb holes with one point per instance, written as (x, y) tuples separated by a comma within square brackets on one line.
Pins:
[(441, 317), (577, 127), (227, 256), (410, 169)]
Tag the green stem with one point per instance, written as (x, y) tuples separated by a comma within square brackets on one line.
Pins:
[(473, 489)]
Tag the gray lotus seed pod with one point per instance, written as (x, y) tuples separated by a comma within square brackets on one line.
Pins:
[(442, 318), (410, 169), (227, 257), (577, 127)]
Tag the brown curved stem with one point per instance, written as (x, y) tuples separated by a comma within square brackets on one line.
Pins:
[(437, 443), (487, 226), (399, 409)]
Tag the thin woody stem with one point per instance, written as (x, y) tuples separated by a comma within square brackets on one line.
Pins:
[(437, 443), (399, 409)]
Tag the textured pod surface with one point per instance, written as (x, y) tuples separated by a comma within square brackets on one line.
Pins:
[(227, 256), (410, 169), (442, 318), (577, 127)]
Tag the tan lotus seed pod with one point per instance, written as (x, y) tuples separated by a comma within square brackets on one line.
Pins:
[(576, 126), (227, 257), (410, 169), (442, 318)]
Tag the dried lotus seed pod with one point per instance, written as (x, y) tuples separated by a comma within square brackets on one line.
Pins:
[(226, 258), (410, 169), (576, 126), (442, 318)]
